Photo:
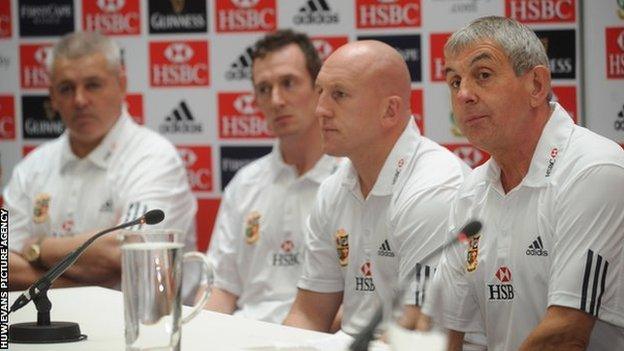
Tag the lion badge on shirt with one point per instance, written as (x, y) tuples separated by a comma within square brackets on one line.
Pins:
[(342, 246), (252, 227), (41, 209), (472, 256)]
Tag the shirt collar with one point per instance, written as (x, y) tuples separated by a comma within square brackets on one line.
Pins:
[(325, 166), (101, 155), (550, 147), (398, 160)]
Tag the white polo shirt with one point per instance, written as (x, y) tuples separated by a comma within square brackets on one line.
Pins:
[(133, 170), (257, 244), (364, 247), (555, 239)]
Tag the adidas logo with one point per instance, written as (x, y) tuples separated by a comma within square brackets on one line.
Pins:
[(180, 120), (315, 12), (241, 68), (537, 248), (385, 250)]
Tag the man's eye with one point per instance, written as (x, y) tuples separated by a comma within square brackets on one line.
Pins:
[(263, 90), (64, 89), (337, 94), (484, 75), (454, 83)]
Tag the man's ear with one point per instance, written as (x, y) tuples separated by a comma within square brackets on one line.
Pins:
[(391, 111), (539, 81)]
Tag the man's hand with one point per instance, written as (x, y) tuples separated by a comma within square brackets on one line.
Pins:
[(220, 300), (313, 310), (100, 264), (22, 274), (562, 328)]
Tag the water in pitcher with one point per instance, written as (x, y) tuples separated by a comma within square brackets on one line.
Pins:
[(151, 281)]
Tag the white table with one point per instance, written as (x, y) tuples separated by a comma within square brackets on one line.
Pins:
[(99, 312)]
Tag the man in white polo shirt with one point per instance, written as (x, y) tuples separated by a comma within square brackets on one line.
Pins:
[(384, 209), (104, 170), (257, 245), (547, 270)]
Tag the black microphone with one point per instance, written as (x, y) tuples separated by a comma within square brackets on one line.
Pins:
[(364, 337), (44, 283)]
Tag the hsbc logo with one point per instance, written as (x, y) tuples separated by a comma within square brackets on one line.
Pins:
[(387, 13), (503, 291), (134, 104), (179, 53), (32, 65), (5, 19), (198, 163), (120, 17), (551, 162), (288, 257), (110, 5), (615, 52), (325, 46), (246, 104), (416, 102), (566, 97), (239, 117), (179, 63), (365, 282), (469, 154), (437, 42), (7, 118), (246, 15), (541, 11)]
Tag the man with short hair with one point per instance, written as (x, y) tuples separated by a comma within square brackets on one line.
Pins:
[(547, 270), (385, 209), (257, 245), (103, 171)]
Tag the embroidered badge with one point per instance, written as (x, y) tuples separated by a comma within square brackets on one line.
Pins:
[(42, 208), (472, 257), (252, 227), (398, 170), (342, 246)]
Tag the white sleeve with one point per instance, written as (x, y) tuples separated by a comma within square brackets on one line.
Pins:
[(321, 267), (587, 272), (223, 252), (421, 229), (159, 181), (20, 210)]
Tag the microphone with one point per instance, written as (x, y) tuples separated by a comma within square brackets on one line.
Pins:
[(44, 283), (364, 337)]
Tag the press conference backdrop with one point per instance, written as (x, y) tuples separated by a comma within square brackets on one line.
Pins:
[(188, 66)]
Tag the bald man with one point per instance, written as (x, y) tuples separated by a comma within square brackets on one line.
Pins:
[(384, 209)]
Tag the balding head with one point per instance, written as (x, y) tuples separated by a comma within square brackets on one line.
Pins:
[(364, 98), (378, 66)]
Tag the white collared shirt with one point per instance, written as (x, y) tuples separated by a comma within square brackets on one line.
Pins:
[(133, 170), (555, 239), (257, 245), (364, 247)]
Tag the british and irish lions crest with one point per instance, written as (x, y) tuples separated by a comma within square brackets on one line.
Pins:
[(472, 256), (252, 227), (342, 247), (41, 208)]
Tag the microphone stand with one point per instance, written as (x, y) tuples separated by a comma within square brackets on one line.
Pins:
[(44, 331)]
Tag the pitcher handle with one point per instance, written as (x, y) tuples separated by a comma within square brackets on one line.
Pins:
[(208, 275)]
